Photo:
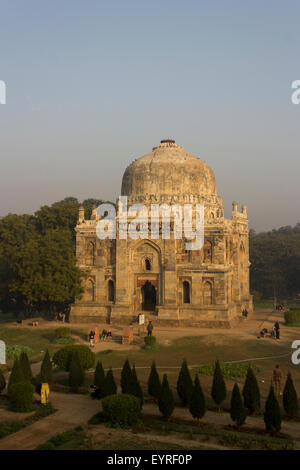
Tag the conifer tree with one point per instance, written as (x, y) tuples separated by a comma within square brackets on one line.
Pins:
[(197, 405), (272, 415), (2, 381), (76, 372), (25, 366), (166, 399), (16, 375), (238, 411), (185, 384), (126, 377), (218, 391), (154, 385), (136, 387), (46, 369), (290, 398), (251, 392), (110, 384), (99, 377)]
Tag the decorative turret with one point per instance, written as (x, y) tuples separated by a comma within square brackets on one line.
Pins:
[(81, 214)]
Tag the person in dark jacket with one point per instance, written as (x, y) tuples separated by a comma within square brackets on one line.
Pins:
[(277, 330), (149, 328)]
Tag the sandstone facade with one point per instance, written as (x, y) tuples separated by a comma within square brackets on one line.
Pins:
[(175, 286)]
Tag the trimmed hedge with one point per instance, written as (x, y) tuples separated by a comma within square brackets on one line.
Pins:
[(292, 316), (62, 358), (62, 332), (20, 397), (121, 410)]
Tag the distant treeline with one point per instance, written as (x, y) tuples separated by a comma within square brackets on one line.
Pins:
[(275, 263), (38, 271)]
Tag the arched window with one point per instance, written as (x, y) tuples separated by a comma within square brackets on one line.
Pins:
[(147, 264), (186, 292), (207, 293), (111, 291)]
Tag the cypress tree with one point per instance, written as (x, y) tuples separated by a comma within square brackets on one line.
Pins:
[(238, 411), (290, 398), (218, 390), (126, 378), (46, 369), (185, 384), (16, 375), (166, 399), (110, 384), (154, 385), (272, 415), (99, 376), (25, 366), (197, 405), (251, 392), (136, 387), (76, 372), (2, 381)]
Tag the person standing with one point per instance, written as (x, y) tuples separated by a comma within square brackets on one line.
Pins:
[(277, 330), (149, 328), (92, 338), (277, 376)]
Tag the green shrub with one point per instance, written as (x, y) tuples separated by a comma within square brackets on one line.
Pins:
[(238, 370), (47, 446), (62, 332), (76, 373), (123, 410), (150, 342), (185, 384), (2, 381), (67, 340), (292, 316), (99, 378), (13, 352), (136, 389), (20, 396), (62, 358)]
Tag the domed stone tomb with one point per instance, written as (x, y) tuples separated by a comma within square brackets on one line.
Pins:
[(160, 277)]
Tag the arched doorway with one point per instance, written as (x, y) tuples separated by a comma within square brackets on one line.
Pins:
[(148, 296)]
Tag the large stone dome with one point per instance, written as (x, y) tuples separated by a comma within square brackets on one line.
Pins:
[(168, 173)]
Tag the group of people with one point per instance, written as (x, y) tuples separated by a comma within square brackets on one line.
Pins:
[(245, 313), (274, 333), (104, 335)]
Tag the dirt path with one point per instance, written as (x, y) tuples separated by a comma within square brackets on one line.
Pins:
[(73, 410)]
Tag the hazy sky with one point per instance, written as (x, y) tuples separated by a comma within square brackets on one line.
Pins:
[(91, 85)]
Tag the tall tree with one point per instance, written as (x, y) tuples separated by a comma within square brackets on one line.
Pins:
[(290, 398), (251, 392), (218, 391), (185, 384), (166, 400), (99, 375), (238, 411), (110, 384), (76, 372), (272, 415), (126, 377), (154, 385), (25, 366), (46, 369), (16, 375), (197, 404)]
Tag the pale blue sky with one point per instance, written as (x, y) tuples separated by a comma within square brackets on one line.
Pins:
[(91, 85)]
